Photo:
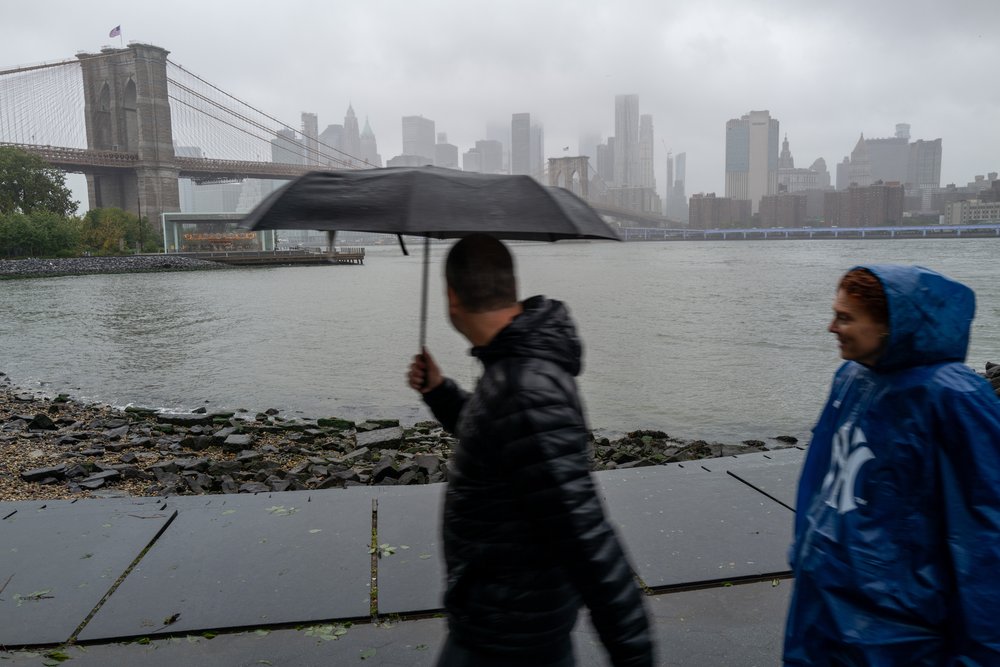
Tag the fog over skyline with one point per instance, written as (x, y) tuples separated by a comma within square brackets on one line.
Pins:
[(827, 73)]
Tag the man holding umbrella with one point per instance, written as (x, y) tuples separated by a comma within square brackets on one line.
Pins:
[(525, 536)]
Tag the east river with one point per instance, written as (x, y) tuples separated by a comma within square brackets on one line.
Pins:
[(716, 340)]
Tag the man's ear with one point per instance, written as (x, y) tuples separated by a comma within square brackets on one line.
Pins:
[(453, 301)]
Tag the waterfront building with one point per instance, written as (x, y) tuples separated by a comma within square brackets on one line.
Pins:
[(706, 211), (752, 157), (418, 137), (877, 205), (970, 211), (783, 210), (626, 153)]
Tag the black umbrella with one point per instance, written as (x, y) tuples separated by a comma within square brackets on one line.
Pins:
[(431, 202)]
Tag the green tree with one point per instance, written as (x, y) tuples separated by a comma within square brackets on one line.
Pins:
[(112, 231), (38, 234), (28, 183)]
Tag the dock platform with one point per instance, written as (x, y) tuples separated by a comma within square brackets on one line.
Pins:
[(280, 257)]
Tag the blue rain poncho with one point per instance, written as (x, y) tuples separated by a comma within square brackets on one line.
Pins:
[(897, 532)]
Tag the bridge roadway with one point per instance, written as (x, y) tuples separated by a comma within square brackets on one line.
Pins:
[(92, 160), (976, 230)]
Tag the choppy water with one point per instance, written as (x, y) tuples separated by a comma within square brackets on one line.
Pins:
[(716, 340)]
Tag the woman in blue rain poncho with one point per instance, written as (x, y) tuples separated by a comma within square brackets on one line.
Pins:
[(897, 531)]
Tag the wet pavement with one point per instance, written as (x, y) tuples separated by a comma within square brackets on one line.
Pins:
[(288, 578)]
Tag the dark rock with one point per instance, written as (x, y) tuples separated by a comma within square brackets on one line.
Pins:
[(228, 485), (383, 438), (248, 455), (335, 424), (129, 457), (237, 442), (271, 411), (37, 474), (97, 480), (359, 453), (183, 419), (196, 443), (75, 470), (199, 482), (223, 433), (254, 487), (93, 451), (384, 468), (787, 439), (42, 422), (115, 423), (224, 468), (199, 411), (427, 463)]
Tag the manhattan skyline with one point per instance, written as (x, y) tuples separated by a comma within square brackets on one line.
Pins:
[(829, 74)]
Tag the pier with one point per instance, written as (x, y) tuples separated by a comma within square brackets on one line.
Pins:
[(280, 257)]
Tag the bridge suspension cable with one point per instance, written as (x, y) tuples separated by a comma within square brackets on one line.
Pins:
[(239, 120), (42, 105)]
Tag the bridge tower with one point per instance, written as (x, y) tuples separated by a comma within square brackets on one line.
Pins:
[(562, 171), (126, 109)]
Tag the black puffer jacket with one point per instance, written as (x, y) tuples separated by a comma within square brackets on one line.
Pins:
[(525, 536)]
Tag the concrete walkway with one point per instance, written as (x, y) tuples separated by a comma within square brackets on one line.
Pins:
[(288, 578)]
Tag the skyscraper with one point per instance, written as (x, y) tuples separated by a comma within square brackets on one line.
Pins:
[(445, 154), (369, 147), (627, 140), (286, 148), (520, 143), (536, 150), (418, 138), (491, 156), (647, 178), (752, 157), (352, 138), (310, 136)]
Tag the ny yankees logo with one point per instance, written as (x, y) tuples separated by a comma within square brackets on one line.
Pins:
[(846, 458)]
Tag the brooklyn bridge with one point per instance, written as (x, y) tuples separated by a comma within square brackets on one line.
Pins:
[(119, 116)]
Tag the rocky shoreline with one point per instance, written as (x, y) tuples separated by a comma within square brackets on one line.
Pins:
[(59, 448), (78, 266)]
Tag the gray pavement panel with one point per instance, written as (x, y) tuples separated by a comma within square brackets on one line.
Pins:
[(685, 526), (59, 559), (245, 561), (730, 626), (411, 578), (404, 644), (775, 473)]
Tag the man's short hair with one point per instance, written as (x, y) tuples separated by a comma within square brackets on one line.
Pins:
[(481, 271)]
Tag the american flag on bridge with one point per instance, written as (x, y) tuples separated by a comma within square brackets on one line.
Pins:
[(116, 31)]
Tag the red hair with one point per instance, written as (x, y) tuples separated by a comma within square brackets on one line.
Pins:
[(862, 285)]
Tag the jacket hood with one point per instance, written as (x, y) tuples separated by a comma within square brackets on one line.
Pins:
[(930, 316), (543, 331)]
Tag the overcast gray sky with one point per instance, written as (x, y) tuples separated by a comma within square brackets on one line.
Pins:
[(827, 71)]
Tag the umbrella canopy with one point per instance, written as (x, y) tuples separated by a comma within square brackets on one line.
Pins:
[(429, 201)]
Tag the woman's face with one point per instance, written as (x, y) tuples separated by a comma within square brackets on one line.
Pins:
[(861, 338)]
